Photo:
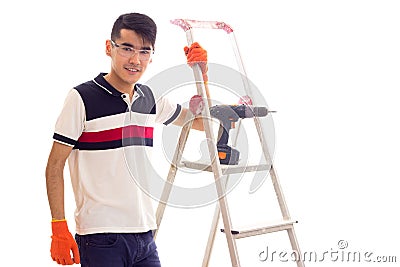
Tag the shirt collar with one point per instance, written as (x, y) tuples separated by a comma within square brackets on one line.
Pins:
[(103, 84)]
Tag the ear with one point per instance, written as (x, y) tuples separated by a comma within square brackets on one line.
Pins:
[(108, 48)]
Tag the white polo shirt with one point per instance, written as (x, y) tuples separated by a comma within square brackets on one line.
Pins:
[(104, 127)]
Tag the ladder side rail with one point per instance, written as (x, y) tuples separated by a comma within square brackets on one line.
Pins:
[(263, 141), (295, 246), (215, 164), (285, 213), (215, 221), (274, 177), (211, 237), (172, 172), (248, 91)]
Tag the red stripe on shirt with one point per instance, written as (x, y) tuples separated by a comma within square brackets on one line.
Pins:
[(117, 134)]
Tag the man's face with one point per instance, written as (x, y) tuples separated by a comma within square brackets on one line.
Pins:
[(130, 57)]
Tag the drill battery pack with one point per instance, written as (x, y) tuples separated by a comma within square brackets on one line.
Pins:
[(228, 155)]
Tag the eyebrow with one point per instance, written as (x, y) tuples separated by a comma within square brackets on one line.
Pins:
[(142, 48)]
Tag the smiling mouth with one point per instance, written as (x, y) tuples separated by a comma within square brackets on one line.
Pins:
[(133, 69)]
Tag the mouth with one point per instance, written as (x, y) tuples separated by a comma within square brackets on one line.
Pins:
[(133, 69)]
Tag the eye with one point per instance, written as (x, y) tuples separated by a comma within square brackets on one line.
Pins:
[(127, 48), (145, 52)]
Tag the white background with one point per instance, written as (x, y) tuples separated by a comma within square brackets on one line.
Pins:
[(330, 68)]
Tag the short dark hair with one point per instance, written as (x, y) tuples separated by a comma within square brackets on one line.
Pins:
[(142, 24)]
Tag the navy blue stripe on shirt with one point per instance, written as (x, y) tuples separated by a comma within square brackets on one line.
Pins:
[(101, 103), (134, 141), (64, 139), (176, 113)]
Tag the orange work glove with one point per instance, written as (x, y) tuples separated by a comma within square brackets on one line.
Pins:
[(195, 54), (62, 243)]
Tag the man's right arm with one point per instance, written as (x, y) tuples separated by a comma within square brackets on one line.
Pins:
[(55, 179)]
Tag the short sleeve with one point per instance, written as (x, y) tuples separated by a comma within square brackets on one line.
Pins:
[(167, 111), (71, 121)]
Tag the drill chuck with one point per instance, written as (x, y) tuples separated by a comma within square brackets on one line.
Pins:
[(259, 112), (249, 112)]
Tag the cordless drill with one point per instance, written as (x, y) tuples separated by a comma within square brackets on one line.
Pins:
[(228, 115)]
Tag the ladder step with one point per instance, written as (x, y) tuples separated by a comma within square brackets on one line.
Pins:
[(226, 169), (260, 230)]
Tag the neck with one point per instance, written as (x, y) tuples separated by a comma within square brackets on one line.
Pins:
[(118, 84)]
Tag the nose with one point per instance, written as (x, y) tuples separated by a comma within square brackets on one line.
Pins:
[(135, 58)]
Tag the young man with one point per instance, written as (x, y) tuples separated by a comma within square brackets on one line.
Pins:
[(114, 218)]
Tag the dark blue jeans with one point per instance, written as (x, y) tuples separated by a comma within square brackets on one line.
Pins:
[(118, 250)]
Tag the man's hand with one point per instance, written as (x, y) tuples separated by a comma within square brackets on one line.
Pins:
[(196, 105), (62, 243), (195, 54)]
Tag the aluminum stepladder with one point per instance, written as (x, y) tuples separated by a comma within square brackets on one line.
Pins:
[(286, 223)]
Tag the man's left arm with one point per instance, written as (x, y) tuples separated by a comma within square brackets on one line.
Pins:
[(184, 118)]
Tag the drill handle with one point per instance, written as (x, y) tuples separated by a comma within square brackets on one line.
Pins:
[(223, 133)]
